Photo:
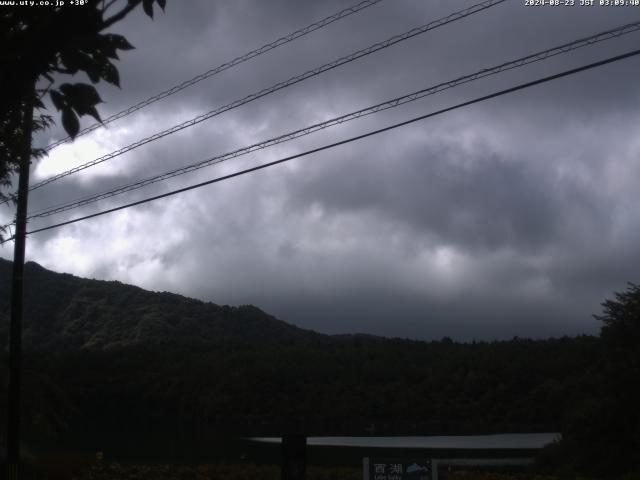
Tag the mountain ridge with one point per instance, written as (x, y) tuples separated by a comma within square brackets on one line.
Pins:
[(63, 311)]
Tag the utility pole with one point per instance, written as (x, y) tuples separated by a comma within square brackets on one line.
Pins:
[(15, 329), (294, 457)]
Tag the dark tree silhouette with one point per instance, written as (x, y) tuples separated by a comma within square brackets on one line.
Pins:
[(621, 321), (620, 334), (37, 44), (601, 432)]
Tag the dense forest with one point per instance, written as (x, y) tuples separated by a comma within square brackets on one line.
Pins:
[(104, 357)]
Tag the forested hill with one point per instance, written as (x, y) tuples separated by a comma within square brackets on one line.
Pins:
[(141, 343), (103, 358), (63, 311)]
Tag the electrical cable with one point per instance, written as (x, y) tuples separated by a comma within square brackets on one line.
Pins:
[(221, 68), (522, 86), (520, 62), (279, 86)]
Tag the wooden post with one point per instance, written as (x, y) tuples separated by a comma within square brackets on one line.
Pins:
[(15, 328), (294, 457)]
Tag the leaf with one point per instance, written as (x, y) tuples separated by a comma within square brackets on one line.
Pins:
[(39, 153), (106, 47), (119, 42), (93, 74), (147, 5), (42, 122), (75, 60), (91, 111), (110, 74), (162, 3), (82, 98), (80, 94), (57, 99), (70, 61), (66, 89), (70, 122), (87, 93)]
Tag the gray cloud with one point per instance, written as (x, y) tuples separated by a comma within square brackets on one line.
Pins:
[(512, 217)]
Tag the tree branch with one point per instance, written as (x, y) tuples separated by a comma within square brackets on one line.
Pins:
[(62, 70), (118, 16), (46, 89), (108, 5)]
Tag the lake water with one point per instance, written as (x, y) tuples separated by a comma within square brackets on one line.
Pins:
[(498, 441)]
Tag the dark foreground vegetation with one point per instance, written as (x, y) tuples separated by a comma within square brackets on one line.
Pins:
[(266, 472), (115, 471), (110, 364)]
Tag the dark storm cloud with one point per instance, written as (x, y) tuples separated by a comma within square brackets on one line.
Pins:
[(511, 217), (467, 195)]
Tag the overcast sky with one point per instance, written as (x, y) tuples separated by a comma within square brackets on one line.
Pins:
[(516, 216)]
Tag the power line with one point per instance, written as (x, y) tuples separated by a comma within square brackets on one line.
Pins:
[(349, 140), (225, 66), (520, 62), (279, 86)]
